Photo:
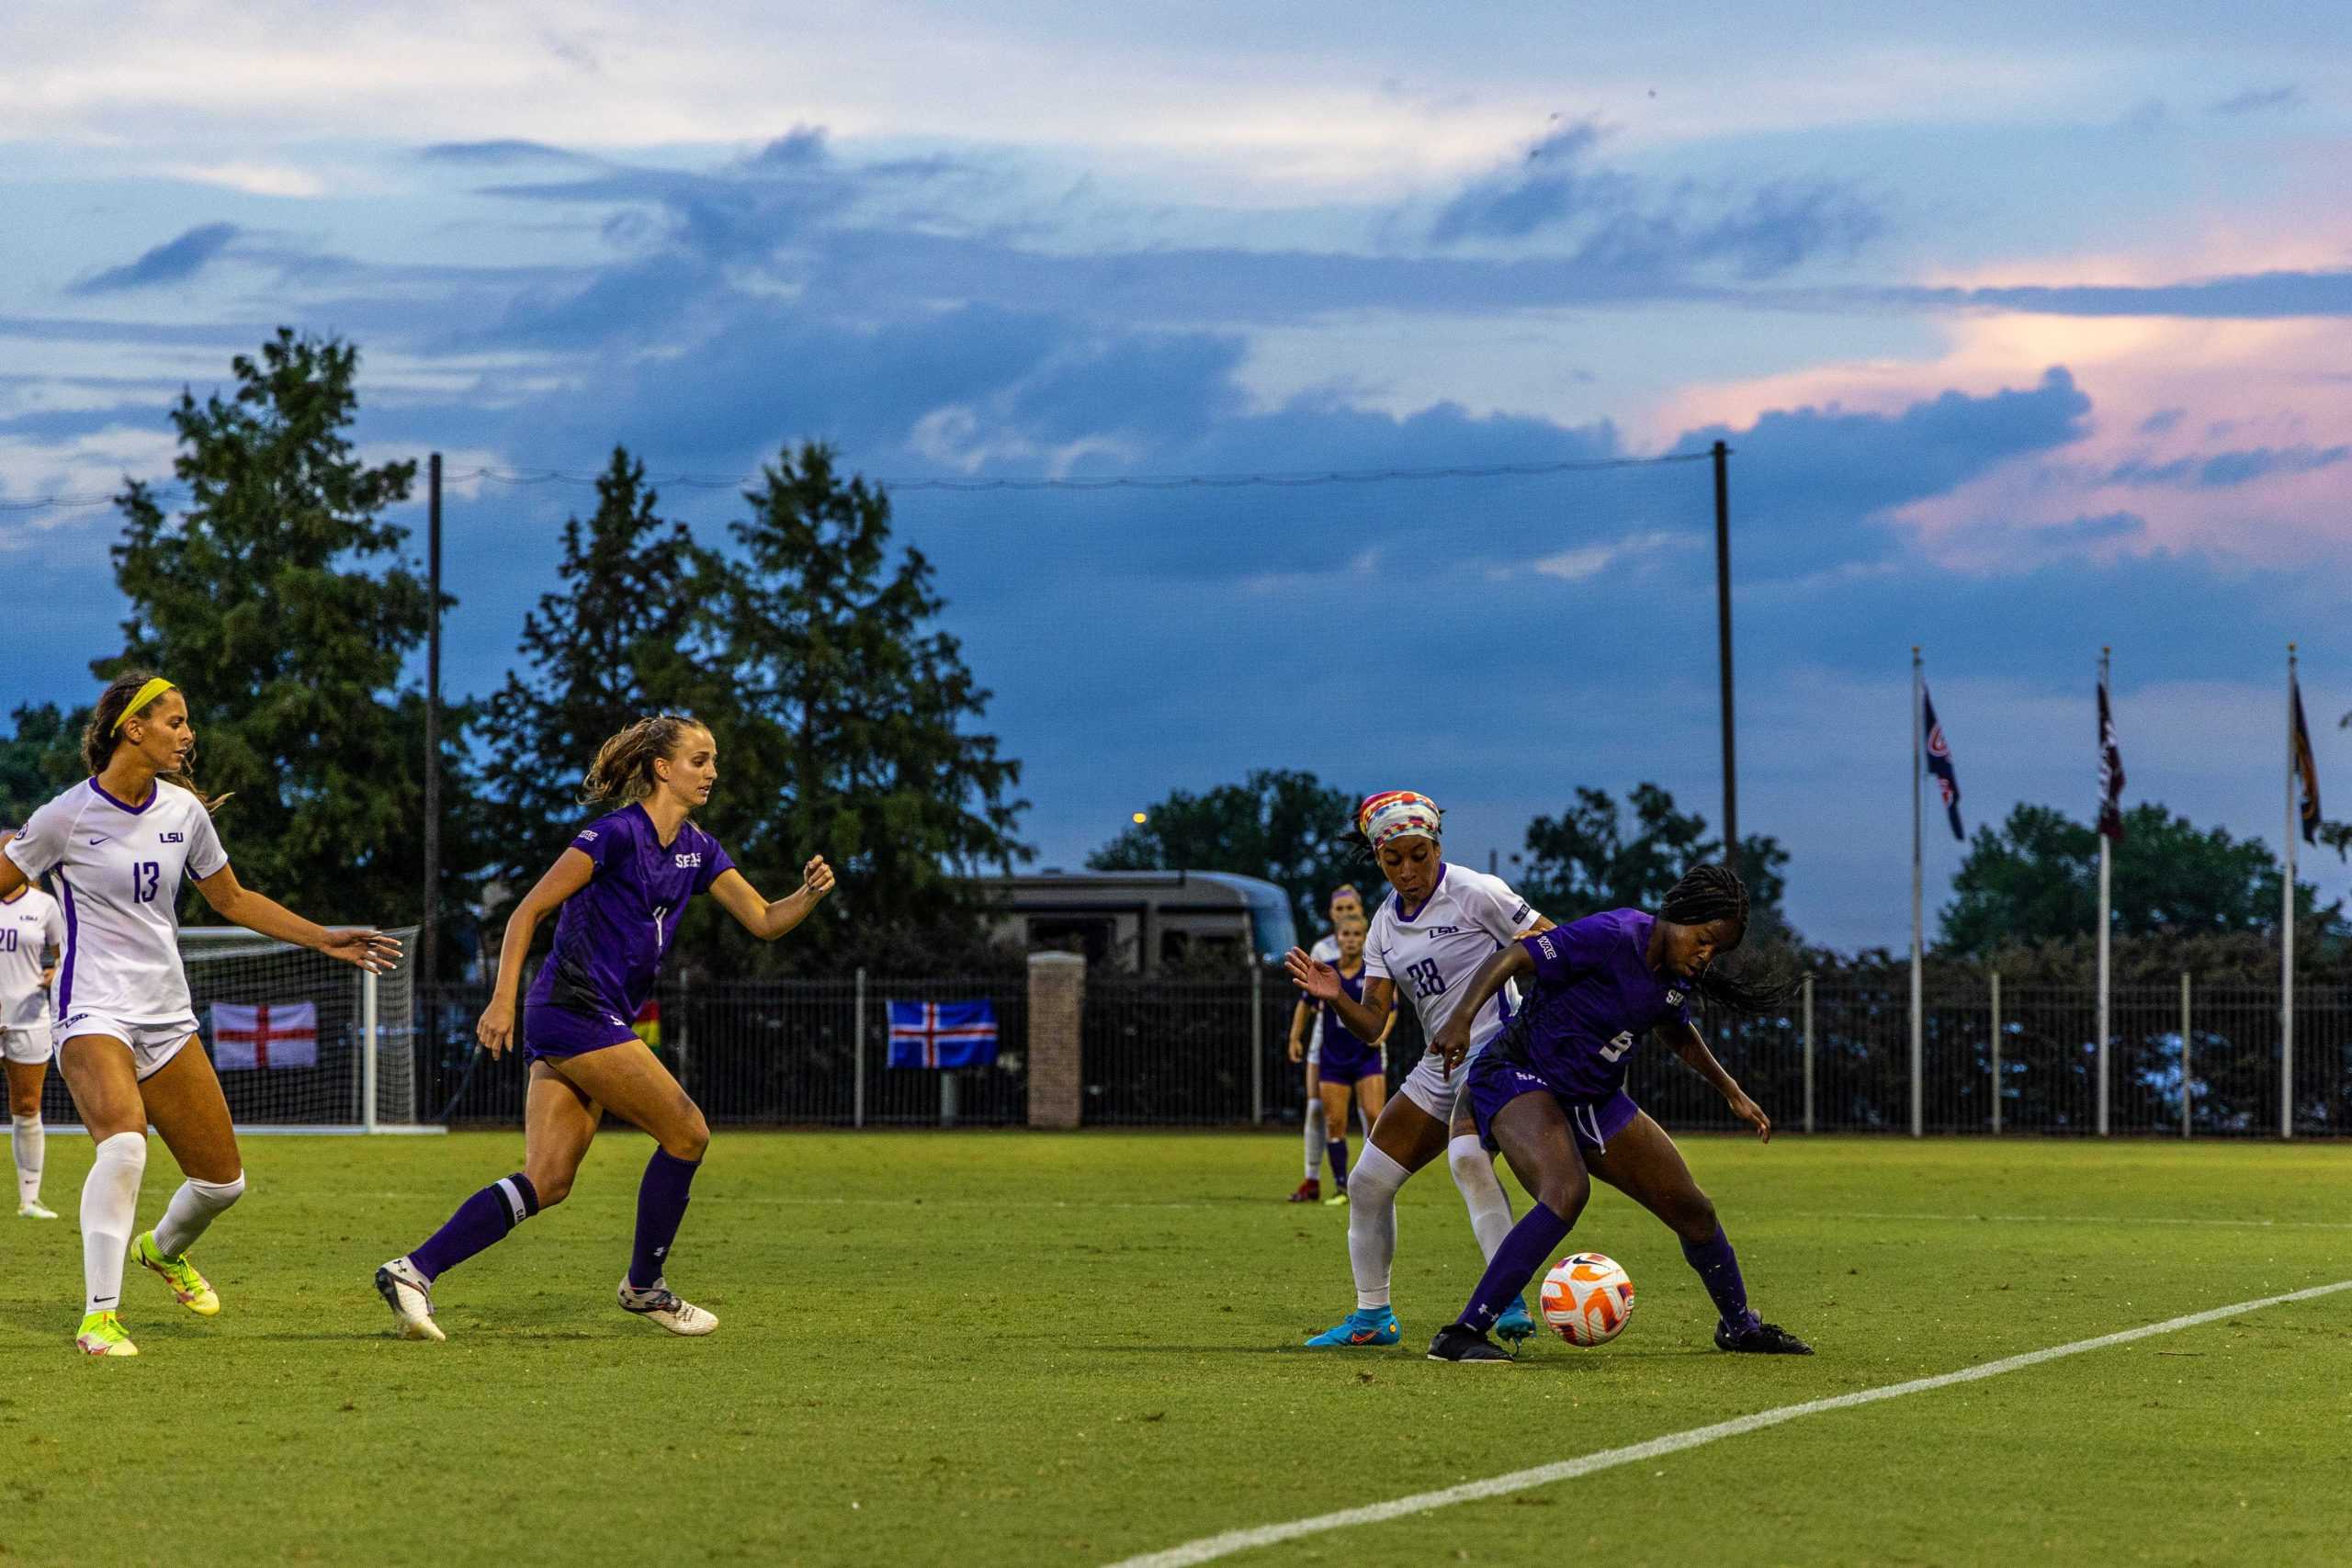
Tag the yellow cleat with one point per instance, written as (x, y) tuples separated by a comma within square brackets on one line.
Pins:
[(190, 1289), (102, 1335)]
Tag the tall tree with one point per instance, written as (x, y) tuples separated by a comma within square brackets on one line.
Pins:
[(846, 713), (280, 602), (42, 757), (620, 636), (2034, 879), (1288, 827), (1592, 857)]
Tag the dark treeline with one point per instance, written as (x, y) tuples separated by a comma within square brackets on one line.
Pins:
[(288, 607)]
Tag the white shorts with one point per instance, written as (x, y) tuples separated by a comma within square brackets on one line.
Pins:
[(152, 1044), (1434, 1089), (1315, 1050), (27, 1046)]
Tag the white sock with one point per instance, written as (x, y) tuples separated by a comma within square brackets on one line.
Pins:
[(1310, 1125), (109, 1207), (1371, 1223), (1482, 1191), (29, 1141), (193, 1208)]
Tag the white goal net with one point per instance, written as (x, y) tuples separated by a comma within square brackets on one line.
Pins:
[(303, 1042)]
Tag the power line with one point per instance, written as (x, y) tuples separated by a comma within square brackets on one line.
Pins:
[(523, 478)]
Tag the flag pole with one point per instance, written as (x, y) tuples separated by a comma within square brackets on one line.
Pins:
[(2106, 849), (2287, 930), (1919, 1010)]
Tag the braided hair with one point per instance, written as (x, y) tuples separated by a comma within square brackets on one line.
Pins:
[(1709, 892)]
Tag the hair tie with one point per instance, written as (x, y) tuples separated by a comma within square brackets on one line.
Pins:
[(154, 688)]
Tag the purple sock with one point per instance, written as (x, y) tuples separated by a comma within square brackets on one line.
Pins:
[(1718, 1269), (1524, 1251), (661, 1204), (481, 1221), (1338, 1151)]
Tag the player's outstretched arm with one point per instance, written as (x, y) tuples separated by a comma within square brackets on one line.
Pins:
[(1692, 1046), (569, 874), (232, 901), (1509, 961), (1364, 1019), (1298, 1019), (765, 920)]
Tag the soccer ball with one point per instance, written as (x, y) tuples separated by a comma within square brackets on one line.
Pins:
[(1588, 1299)]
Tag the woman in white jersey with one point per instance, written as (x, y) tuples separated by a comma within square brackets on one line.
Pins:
[(116, 848), (1438, 924), (1346, 903), (32, 928)]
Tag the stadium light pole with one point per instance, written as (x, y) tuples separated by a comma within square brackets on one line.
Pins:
[(430, 933), (1723, 647)]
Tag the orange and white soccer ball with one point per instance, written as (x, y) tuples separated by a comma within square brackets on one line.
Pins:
[(1588, 1299)]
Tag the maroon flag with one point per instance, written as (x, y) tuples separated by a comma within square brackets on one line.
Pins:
[(2307, 769)]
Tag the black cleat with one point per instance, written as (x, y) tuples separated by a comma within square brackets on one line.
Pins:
[(1760, 1338), (1459, 1342)]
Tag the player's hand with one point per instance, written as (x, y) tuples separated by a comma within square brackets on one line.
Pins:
[(1297, 1051), (496, 1030), (1453, 1042), (816, 879), (1753, 1114), (1318, 980), (371, 950)]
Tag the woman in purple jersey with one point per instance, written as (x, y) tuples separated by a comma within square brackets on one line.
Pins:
[(1347, 1065), (1550, 1093), (619, 890)]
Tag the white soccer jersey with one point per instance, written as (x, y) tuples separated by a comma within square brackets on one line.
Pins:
[(1432, 954), (30, 925), (117, 873), (1326, 951)]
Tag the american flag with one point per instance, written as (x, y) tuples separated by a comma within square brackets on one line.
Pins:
[(1939, 764)]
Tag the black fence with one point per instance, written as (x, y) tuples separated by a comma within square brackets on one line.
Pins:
[(1214, 1053)]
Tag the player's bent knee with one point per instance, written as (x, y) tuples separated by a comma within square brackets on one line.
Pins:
[(692, 1139), (1564, 1195), (1694, 1218)]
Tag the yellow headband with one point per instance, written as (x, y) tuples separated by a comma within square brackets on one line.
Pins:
[(147, 693)]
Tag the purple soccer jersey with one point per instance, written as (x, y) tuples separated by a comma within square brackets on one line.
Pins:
[(611, 936), (1596, 997), (1346, 1057)]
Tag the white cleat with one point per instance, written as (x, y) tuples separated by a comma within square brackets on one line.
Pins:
[(662, 1305), (30, 1209), (409, 1296)]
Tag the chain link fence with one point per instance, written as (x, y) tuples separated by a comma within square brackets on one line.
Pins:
[(2181, 1060)]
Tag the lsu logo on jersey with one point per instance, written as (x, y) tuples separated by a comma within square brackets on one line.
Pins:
[(689, 861), (171, 838), (1440, 930)]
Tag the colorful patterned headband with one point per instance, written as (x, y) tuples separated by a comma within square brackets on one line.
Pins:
[(1397, 814), (147, 693)]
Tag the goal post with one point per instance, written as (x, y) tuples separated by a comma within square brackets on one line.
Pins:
[(302, 1043)]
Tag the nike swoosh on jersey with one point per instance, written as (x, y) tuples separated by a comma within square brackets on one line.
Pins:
[(97, 841)]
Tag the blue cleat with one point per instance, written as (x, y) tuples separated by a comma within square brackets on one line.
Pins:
[(1515, 1325), (1366, 1328)]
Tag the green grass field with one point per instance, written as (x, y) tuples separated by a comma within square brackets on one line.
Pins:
[(1020, 1348)]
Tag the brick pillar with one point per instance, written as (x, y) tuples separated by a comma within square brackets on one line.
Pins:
[(1056, 1002)]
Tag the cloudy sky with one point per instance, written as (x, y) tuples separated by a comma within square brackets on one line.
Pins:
[(2031, 327)]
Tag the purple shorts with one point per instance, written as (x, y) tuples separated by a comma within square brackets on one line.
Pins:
[(1348, 1060), (1594, 1121), (559, 1032)]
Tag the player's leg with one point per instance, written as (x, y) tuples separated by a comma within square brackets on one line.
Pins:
[(558, 1123), (1310, 1128), (1408, 1135), (1336, 1097), (98, 1075), (631, 1082), (27, 1055), (1533, 1132), (1642, 1162), (185, 1102), (1482, 1194)]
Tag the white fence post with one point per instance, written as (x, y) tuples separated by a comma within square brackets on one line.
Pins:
[(2185, 1079), (857, 1056), (1996, 1052), (369, 1037), (1808, 1052)]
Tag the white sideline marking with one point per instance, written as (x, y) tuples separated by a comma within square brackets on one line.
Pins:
[(2081, 1220), (1210, 1547)]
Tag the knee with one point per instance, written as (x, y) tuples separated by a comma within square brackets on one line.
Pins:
[(691, 1138), (550, 1187), (1694, 1216), (1335, 1120), (1565, 1192), (221, 1194), (24, 1102), (1472, 1166)]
